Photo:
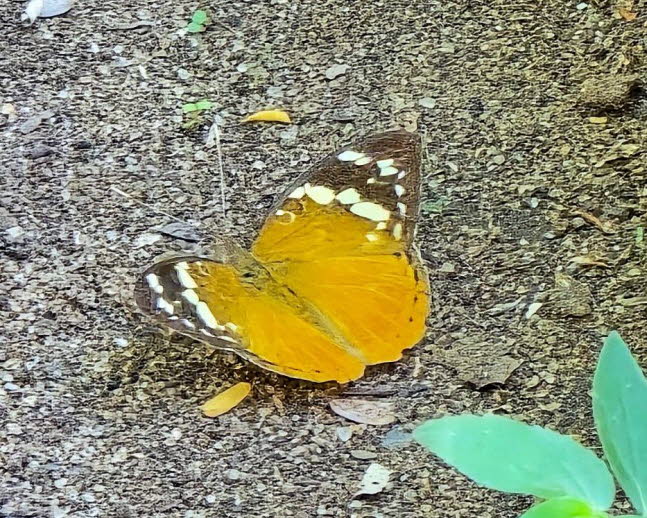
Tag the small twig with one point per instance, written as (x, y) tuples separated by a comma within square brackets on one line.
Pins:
[(130, 197), (214, 134)]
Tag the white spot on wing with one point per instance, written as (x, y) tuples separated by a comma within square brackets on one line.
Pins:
[(349, 156), (154, 283), (191, 297), (372, 237), (380, 226), (187, 323), (371, 180), (320, 194), (185, 278), (348, 196), (182, 265), (297, 193), (206, 315), (402, 208), (165, 305), (286, 213), (384, 163), (370, 210), (399, 190), (397, 231), (363, 161), (401, 175), (388, 171)]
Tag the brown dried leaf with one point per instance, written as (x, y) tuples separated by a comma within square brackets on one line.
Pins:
[(627, 14), (226, 400), (587, 260), (594, 220), (364, 411)]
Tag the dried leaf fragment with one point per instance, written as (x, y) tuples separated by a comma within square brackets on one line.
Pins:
[(269, 116), (364, 411), (375, 479), (627, 15), (226, 400), (594, 220), (587, 260)]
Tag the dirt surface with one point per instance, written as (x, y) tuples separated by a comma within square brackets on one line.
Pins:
[(535, 131)]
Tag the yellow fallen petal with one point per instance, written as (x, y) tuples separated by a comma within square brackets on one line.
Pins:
[(226, 400), (269, 116), (598, 120)]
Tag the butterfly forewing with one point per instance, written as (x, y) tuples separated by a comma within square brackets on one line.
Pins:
[(341, 238), (375, 182)]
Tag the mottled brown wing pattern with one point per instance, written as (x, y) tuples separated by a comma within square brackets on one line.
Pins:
[(169, 290)]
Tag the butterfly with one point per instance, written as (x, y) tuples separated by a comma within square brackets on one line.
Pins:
[(333, 281)]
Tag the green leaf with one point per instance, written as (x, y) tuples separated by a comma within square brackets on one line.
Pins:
[(204, 105), (199, 17), (190, 107), (620, 411), (508, 455), (194, 27), (563, 508)]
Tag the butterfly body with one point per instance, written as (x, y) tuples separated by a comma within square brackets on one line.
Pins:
[(333, 281)]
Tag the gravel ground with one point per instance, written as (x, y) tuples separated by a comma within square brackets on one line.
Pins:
[(534, 116)]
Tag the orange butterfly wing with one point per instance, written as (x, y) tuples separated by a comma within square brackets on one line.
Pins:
[(333, 283)]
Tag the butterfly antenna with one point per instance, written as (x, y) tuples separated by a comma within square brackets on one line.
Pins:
[(214, 137), (152, 209)]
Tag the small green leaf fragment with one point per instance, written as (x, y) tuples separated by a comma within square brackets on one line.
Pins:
[(189, 107), (436, 207), (640, 235), (204, 105), (620, 411), (507, 455), (199, 17), (562, 508), (195, 27)]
